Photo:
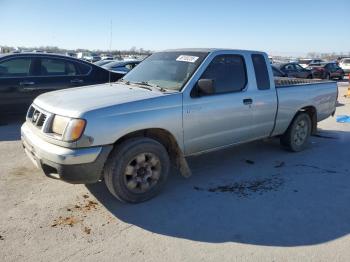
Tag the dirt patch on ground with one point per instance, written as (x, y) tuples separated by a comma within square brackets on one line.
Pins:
[(329, 171), (248, 188), (87, 206), (77, 214), (65, 221), (279, 164), (22, 171)]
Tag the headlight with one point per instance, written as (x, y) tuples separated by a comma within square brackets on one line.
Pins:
[(74, 129), (70, 129), (59, 124)]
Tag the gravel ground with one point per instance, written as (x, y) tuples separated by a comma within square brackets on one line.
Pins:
[(254, 202)]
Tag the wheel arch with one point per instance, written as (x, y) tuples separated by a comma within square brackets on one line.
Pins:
[(168, 140), (312, 112)]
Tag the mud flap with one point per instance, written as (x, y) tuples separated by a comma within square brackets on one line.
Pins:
[(183, 166)]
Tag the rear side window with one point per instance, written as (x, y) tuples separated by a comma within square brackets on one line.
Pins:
[(57, 67), (228, 73), (84, 69), (261, 73), (15, 67), (289, 67)]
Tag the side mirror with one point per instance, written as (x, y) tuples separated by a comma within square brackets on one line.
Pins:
[(206, 86)]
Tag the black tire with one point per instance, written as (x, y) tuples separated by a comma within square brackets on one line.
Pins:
[(309, 76), (125, 157), (293, 139)]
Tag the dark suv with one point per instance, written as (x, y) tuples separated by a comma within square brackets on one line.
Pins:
[(26, 75)]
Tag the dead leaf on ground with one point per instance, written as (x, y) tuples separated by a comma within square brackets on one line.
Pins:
[(87, 230), (248, 161), (279, 164)]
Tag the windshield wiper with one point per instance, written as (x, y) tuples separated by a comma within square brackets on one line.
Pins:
[(121, 80), (144, 83)]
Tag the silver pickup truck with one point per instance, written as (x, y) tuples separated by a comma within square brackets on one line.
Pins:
[(174, 104)]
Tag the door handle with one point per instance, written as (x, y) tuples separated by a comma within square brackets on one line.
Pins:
[(26, 83), (77, 81), (247, 101)]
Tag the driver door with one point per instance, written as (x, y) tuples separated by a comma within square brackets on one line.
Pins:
[(224, 117)]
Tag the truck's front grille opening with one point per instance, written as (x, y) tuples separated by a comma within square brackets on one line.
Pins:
[(40, 122)]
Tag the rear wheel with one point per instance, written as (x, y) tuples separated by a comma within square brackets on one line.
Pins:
[(297, 135), (137, 170)]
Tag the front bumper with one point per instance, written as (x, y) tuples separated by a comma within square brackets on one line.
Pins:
[(78, 166)]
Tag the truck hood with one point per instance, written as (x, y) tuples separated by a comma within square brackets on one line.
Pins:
[(74, 102)]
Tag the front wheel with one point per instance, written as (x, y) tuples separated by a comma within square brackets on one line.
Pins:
[(297, 135), (137, 169)]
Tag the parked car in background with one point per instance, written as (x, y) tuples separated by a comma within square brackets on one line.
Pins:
[(103, 62), (294, 70), (121, 67), (71, 54), (106, 57), (327, 71), (26, 75), (306, 62), (277, 72), (87, 56), (92, 58), (316, 62), (345, 65)]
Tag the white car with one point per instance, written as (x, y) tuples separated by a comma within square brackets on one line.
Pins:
[(306, 62), (345, 65), (107, 57)]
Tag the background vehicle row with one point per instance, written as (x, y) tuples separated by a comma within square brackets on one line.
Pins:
[(26, 75)]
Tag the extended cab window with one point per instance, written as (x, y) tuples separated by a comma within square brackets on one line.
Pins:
[(261, 73), (57, 67), (228, 73), (15, 67)]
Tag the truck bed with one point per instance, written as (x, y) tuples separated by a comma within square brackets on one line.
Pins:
[(287, 82), (294, 94)]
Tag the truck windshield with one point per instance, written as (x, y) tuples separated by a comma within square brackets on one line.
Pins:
[(167, 70)]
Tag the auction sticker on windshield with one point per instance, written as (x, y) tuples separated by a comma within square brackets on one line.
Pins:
[(187, 58)]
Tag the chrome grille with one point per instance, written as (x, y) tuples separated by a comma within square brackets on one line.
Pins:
[(36, 117)]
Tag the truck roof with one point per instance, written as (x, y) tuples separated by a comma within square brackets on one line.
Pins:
[(210, 50)]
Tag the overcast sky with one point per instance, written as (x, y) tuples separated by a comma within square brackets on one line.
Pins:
[(291, 27)]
